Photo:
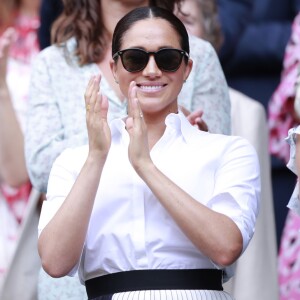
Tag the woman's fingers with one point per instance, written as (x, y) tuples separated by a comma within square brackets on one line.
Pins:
[(91, 92), (96, 118), (130, 95), (103, 107), (201, 124), (95, 102), (195, 118), (133, 103)]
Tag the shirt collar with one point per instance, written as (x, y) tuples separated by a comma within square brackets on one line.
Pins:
[(176, 122), (180, 123)]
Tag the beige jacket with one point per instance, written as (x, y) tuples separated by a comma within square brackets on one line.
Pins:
[(21, 280)]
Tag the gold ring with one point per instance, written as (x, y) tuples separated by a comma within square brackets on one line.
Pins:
[(87, 107)]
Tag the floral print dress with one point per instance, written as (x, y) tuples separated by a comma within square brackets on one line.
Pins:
[(13, 201)]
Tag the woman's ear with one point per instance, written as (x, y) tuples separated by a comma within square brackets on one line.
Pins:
[(188, 69), (113, 67)]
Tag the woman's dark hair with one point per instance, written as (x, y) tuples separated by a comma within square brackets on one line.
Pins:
[(211, 23), (143, 13), (82, 19)]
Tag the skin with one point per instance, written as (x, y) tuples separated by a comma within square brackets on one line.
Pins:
[(221, 240), (159, 102), (12, 161), (192, 17)]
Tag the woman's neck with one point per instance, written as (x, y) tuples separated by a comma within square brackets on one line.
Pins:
[(30, 8), (114, 10), (156, 125)]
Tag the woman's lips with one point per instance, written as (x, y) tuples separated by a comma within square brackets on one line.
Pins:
[(151, 88)]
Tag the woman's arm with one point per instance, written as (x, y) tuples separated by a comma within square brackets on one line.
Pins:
[(213, 233), (61, 241), (12, 161)]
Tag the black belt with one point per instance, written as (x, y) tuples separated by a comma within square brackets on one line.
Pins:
[(137, 280)]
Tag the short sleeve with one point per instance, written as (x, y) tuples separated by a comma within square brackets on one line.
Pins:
[(237, 189), (61, 180)]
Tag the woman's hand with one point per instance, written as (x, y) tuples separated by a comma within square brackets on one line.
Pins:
[(138, 150), (195, 118), (96, 119)]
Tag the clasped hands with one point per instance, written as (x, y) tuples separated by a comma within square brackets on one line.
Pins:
[(98, 129)]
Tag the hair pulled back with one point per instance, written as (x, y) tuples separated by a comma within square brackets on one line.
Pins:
[(143, 13)]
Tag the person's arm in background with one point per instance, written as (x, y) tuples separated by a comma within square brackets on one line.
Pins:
[(263, 42), (45, 137), (12, 161), (293, 139), (209, 86), (234, 16), (50, 10)]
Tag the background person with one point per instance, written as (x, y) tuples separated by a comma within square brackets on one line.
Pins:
[(19, 21), (284, 120)]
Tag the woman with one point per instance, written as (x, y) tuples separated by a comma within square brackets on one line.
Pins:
[(19, 22), (133, 203), (82, 37)]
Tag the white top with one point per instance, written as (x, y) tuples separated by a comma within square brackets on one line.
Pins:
[(129, 229), (294, 203)]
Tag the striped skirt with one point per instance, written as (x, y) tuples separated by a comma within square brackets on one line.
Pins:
[(169, 295)]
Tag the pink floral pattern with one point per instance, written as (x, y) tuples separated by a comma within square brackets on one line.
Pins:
[(289, 259), (26, 45), (13, 201), (281, 106), (281, 120)]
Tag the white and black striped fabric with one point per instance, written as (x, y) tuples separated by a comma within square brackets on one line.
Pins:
[(169, 295)]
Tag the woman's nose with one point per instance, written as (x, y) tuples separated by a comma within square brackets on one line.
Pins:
[(151, 68)]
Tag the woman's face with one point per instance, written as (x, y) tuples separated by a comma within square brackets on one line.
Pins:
[(192, 17), (157, 90)]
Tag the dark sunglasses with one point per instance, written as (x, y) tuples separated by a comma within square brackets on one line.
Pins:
[(135, 59)]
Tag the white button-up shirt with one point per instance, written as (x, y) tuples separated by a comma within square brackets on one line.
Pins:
[(129, 229)]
